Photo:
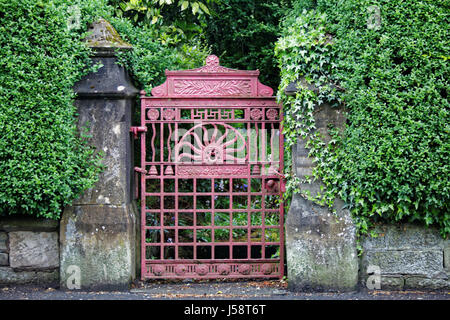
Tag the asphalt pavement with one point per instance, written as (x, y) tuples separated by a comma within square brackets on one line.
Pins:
[(210, 290)]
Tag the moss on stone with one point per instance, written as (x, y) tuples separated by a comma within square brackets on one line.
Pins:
[(104, 35)]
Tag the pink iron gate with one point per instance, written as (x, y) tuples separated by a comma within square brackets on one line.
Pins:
[(211, 187)]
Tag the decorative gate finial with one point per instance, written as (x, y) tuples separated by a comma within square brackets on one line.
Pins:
[(212, 65), (212, 60)]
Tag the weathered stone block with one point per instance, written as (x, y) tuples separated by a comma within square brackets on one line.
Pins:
[(10, 277), (303, 172), (35, 250), (109, 122), (377, 242), (3, 239), (427, 283), (409, 236), (404, 237), (303, 162), (4, 259), (409, 262), (28, 223), (392, 283), (100, 241), (447, 259), (320, 248)]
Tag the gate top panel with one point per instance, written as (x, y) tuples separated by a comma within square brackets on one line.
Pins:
[(212, 81)]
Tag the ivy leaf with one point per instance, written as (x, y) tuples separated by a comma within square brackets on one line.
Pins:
[(204, 8), (195, 7), (184, 5)]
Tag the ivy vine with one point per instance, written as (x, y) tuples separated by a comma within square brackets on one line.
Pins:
[(391, 73)]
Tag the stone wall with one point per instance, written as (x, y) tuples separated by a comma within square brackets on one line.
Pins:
[(29, 251), (406, 256)]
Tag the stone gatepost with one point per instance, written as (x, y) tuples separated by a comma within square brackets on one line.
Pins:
[(320, 245), (98, 232)]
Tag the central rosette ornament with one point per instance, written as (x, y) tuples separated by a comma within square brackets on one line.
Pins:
[(213, 154), (218, 143)]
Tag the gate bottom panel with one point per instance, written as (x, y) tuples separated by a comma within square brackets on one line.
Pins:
[(212, 270)]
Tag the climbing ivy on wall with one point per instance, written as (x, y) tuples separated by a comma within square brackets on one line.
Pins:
[(387, 63)]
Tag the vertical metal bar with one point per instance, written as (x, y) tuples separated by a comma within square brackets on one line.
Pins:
[(249, 203), (194, 232), (143, 199), (153, 142), (230, 212), (281, 170), (213, 220)]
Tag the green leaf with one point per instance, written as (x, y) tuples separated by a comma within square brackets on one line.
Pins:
[(184, 5), (204, 8), (195, 7)]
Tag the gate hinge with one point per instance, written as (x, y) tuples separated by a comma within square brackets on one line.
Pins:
[(136, 130), (140, 170)]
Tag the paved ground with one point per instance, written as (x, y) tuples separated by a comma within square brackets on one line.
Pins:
[(250, 290)]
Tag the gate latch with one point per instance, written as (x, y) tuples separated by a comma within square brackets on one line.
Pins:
[(136, 130), (280, 186)]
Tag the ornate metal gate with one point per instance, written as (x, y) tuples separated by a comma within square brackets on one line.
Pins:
[(210, 186)]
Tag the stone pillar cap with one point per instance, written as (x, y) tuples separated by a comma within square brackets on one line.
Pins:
[(103, 37)]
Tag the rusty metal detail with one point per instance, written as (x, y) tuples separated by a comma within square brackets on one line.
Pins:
[(210, 187)]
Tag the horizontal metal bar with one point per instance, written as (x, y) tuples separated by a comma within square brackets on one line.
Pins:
[(256, 227), (210, 210), (218, 261), (209, 244)]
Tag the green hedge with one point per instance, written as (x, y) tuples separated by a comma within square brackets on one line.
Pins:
[(44, 162), (392, 162)]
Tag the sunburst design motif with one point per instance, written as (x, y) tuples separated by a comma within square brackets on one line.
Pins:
[(211, 146)]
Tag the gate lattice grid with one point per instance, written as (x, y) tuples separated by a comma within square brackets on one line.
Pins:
[(211, 157)]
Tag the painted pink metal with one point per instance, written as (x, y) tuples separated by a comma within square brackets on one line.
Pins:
[(210, 189)]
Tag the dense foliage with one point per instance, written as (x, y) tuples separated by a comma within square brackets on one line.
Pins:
[(150, 57), (387, 62), (174, 18), (45, 162), (243, 34)]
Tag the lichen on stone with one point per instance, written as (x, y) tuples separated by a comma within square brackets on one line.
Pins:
[(102, 34)]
